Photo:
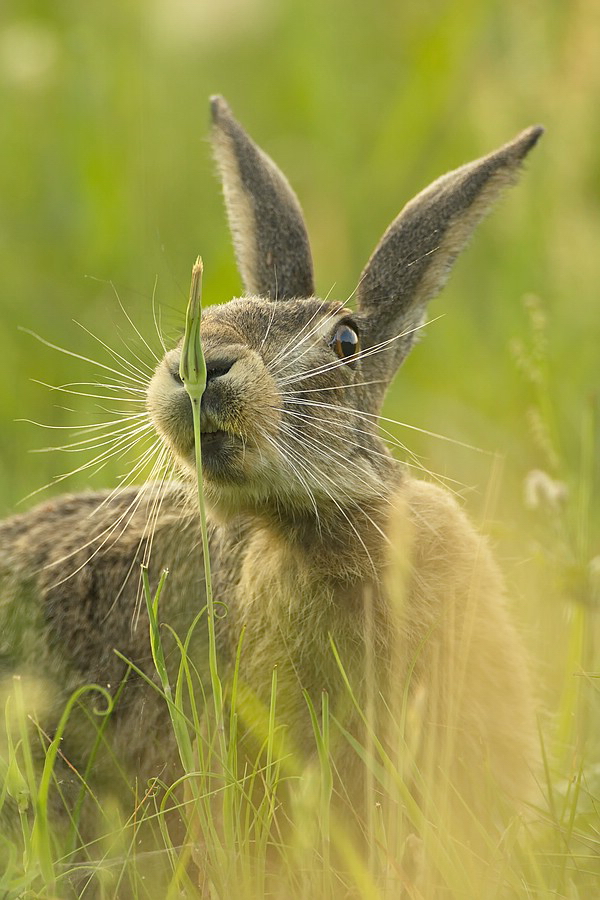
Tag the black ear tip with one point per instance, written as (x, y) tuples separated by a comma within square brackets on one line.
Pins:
[(218, 108)]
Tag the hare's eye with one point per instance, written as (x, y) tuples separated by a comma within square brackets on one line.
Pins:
[(345, 341)]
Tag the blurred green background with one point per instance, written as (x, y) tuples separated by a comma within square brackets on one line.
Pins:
[(106, 180)]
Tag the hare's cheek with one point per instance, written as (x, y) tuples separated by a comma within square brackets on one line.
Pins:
[(259, 406)]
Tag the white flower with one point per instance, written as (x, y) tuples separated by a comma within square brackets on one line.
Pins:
[(543, 491)]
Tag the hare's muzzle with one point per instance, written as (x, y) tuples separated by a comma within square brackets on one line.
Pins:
[(239, 411)]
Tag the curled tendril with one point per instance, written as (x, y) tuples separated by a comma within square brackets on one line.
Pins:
[(221, 609)]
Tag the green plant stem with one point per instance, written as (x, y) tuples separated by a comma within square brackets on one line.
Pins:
[(192, 370)]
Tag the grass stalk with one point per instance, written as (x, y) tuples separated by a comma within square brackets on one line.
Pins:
[(192, 371)]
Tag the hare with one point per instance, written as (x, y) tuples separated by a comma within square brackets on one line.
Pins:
[(342, 570)]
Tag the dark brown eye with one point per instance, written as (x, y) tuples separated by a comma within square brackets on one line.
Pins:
[(345, 341)]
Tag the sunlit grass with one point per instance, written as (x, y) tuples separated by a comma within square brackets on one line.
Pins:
[(123, 186), (237, 837), (272, 827)]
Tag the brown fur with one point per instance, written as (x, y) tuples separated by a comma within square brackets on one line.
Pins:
[(317, 534)]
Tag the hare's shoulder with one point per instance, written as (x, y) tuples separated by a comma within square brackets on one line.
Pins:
[(70, 575), (445, 547), (61, 525)]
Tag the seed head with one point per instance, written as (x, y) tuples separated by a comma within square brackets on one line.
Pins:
[(192, 366)]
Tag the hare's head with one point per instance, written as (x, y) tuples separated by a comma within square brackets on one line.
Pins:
[(295, 382)]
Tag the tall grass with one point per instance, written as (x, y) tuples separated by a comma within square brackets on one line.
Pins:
[(105, 179), (273, 828)]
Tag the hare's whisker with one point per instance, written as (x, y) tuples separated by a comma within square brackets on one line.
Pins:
[(116, 412), (138, 466), (112, 385), (126, 515), (118, 438), (133, 325), (330, 292), (154, 316), (323, 475), (377, 417), (345, 515), (131, 367), (285, 454), (337, 363), (97, 440), (332, 455), (333, 387), (80, 356), (297, 462), (99, 461), (353, 292), (296, 344), (416, 464), (295, 340), (108, 531), (396, 442), (66, 389), (268, 328), (362, 354), (148, 535), (322, 426), (84, 429), (315, 333)]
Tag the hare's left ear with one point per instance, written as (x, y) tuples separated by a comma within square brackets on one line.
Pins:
[(265, 218), (413, 259)]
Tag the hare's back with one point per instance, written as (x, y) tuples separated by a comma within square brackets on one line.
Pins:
[(70, 577)]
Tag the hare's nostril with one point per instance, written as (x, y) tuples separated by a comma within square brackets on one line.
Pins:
[(217, 367), (214, 369)]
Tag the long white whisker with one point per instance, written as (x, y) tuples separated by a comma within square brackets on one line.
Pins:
[(416, 464), (362, 354), (330, 453), (361, 413), (269, 326), (122, 359), (110, 385), (294, 340), (98, 440), (138, 466), (332, 387), (358, 284), (154, 317), (315, 333), (133, 325), (65, 389), (99, 461), (345, 515), (282, 453), (127, 515), (81, 429), (297, 340), (72, 353)]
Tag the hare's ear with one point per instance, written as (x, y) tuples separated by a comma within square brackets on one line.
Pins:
[(413, 259), (269, 234)]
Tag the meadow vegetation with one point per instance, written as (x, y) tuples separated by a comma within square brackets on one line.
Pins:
[(108, 195)]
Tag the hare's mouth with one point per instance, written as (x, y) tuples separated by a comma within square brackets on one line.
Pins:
[(221, 451), (215, 440)]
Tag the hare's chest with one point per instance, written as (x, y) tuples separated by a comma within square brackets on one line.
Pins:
[(306, 637)]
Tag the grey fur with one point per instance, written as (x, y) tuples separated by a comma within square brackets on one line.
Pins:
[(277, 262), (412, 261)]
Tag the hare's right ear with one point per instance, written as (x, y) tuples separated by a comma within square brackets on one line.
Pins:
[(265, 218), (413, 259)]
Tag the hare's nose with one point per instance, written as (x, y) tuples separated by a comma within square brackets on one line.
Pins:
[(218, 366)]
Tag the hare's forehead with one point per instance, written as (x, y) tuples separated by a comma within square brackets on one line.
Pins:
[(258, 322)]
